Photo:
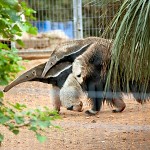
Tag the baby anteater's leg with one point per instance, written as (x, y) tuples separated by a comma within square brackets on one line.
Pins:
[(71, 94), (70, 98)]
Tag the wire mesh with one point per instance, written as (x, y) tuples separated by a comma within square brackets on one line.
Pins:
[(59, 16), (97, 16), (53, 15)]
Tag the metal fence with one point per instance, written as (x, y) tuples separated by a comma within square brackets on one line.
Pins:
[(76, 18), (96, 16), (53, 15)]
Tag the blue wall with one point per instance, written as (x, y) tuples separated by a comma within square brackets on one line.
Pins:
[(45, 26)]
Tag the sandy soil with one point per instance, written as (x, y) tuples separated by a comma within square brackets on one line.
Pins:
[(129, 130)]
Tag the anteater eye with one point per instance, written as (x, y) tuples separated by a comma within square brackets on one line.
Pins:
[(33, 72), (27, 76), (79, 75)]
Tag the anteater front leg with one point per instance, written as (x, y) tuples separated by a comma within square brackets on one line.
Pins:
[(55, 97), (95, 95)]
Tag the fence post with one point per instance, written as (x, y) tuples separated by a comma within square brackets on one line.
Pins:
[(77, 17)]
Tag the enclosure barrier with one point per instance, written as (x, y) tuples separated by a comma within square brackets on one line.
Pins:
[(71, 19)]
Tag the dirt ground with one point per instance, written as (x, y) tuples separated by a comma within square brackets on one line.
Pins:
[(129, 130)]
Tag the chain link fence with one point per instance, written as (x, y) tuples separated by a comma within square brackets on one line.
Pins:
[(53, 15), (97, 16), (60, 20)]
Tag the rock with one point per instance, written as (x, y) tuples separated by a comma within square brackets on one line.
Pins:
[(93, 121)]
